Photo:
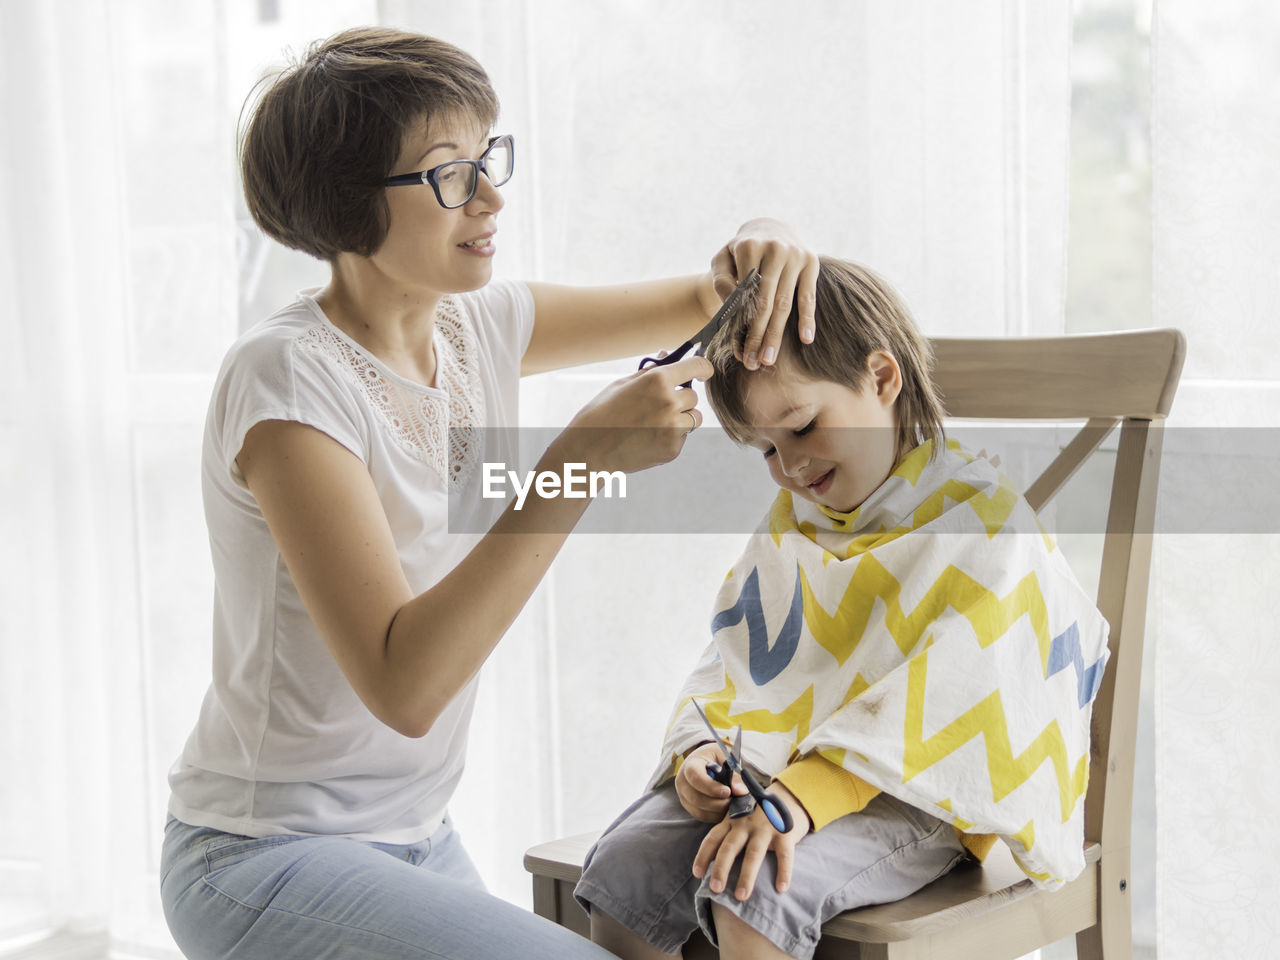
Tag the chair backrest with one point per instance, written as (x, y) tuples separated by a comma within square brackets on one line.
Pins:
[(1126, 379)]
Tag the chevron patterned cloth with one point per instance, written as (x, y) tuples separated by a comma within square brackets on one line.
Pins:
[(933, 642)]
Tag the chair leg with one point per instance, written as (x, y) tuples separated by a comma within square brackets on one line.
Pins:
[(1095, 944), (1111, 938), (544, 898)]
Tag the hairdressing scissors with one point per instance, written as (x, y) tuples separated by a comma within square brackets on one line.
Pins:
[(774, 809), (703, 336)]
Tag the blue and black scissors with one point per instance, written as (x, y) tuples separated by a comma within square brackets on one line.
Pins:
[(703, 336), (774, 809)]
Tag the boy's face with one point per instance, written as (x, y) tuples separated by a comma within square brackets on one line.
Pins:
[(823, 440)]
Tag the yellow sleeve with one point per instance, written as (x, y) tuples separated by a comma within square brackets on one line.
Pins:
[(827, 790), (979, 844)]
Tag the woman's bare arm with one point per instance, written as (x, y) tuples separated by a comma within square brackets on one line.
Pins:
[(574, 325), (408, 656)]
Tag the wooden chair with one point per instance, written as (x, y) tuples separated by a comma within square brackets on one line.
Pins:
[(992, 911)]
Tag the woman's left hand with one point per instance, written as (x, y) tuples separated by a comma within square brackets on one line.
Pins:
[(752, 836), (788, 273)]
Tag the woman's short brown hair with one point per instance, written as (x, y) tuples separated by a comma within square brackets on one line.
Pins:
[(856, 314), (327, 130)]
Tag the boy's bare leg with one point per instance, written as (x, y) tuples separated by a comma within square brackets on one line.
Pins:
[(741, 942), (614, 937)]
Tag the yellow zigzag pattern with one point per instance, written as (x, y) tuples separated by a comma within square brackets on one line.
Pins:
[(916, 460), (1028, 832), (782, 519), (989, 615), (835, 754), (856, 688), (798, 715), (869, 541), (987, 718), (993, 510), (960, 822)]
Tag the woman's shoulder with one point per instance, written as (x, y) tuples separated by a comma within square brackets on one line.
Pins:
[(296, 344), (271, 338), (288, 366), (292, 354)]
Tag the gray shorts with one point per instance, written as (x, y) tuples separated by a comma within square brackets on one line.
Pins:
[(639, 872)]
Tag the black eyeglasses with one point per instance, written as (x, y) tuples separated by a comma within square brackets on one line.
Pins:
[(455, 182)]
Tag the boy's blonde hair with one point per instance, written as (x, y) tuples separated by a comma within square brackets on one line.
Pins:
[(857, 313)]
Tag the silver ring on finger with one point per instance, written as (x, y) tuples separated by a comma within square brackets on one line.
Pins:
[(693, 420)]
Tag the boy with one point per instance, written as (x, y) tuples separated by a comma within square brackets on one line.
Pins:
[(899, 600)]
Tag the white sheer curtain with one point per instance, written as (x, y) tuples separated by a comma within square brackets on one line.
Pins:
[(66, 579), (119, 276), (1216, 209), (928, 140)]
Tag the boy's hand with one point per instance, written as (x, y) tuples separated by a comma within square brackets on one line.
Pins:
[(702, 797), (752, 836), (788, 273)]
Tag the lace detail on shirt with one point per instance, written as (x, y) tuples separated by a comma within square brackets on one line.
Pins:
[(441, 431)]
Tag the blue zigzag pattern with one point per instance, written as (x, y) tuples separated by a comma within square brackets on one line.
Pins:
[(1065, 651), (764, 662)]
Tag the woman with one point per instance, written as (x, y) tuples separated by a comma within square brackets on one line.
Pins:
[(343, 443)]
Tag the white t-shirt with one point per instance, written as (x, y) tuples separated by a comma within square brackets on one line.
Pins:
[(283, 745)]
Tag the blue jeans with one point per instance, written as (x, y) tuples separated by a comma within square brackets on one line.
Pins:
[(276, 898)]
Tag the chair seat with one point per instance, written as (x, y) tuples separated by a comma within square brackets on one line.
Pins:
[(966, 893), (959, 899), (560, 859)]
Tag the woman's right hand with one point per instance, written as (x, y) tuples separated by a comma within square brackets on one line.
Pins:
[(639, 421), (702, 797)]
